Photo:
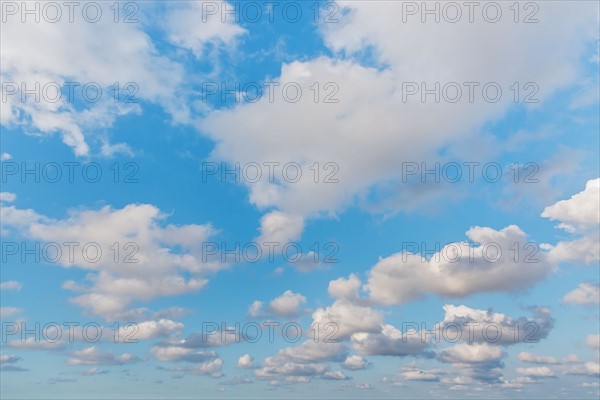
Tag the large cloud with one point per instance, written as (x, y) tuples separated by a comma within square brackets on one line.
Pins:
[(371, 130), (164, 260), (461, 269)]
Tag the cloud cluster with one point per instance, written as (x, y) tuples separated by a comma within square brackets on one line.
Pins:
[(369, 68), (95, 53), (164, 260), (486, 262)]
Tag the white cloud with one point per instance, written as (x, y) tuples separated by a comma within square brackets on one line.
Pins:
[(354, 362), (471, 353), (460, 269), (593, 341), (590, 384), (6, 312), (370, 100), (586, 294), (301, 363), (94, 371), (95, 356), (184, 29), (536, 359), (216, 336), (580, 216), (6, 359), (479, 361), (388, 342), (150, 329), (7, 197), (580, 212), (591, 368), (342, 319), (74, 52), (485, 326), (212, 368), (256, 309), (7, 362), (11, 285), (335, 376), (343, 288), (584, 250), (177, 353), (291, 372), (279, 227), (536, 372), (308, 352), (415, 374), (287, 305), (154, 269), (245, 362)]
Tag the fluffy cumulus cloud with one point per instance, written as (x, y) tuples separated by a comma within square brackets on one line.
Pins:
[(480, 361), (580, 212), (74, 54), (373, 99), (342, 319), (389, 341), (245, 362), (485, 326), (279, 227), (580, 216), (288, 305), (354, 362), (487, 263), (303, 363), (144, 243), (536, 372), (346, 288), (586, 294)]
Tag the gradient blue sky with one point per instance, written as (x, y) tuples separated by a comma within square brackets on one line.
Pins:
[(367, 55)]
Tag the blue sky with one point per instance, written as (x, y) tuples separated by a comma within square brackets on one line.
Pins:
[(365, 102)]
